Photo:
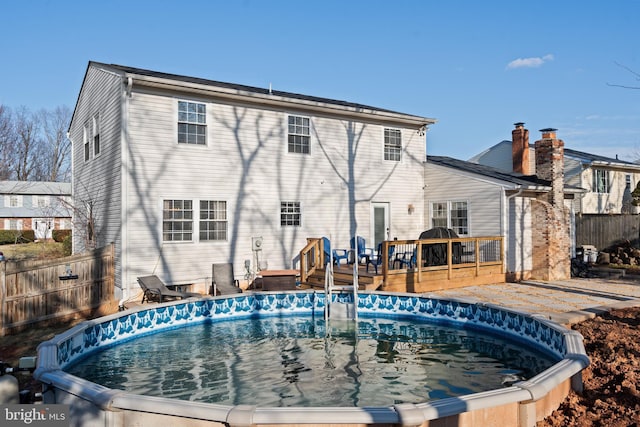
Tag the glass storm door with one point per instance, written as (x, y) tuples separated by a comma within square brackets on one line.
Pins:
[(380, 215)]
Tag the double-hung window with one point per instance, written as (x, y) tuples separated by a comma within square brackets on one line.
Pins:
[(177, 220), (299, 135), (96, 135), (192, 123), (451, 214), (213, 220), (290, 214), (392, 144), (85, 141), (600, 181)]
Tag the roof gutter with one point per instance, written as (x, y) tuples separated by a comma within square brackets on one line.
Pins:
[(277, 101)]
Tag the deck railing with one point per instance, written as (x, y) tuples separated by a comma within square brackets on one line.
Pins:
[(418, 258)]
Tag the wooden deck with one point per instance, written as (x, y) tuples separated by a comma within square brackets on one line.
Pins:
[(412, 266)]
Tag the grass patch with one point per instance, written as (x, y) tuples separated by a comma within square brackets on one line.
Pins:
[(34, 250)]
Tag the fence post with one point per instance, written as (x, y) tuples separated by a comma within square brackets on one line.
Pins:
[(3, 296)]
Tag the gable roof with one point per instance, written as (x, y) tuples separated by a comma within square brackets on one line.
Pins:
[(139, 76), (35, 188), (526, 181)]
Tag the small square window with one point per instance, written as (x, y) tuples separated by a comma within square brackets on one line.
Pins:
[(290, 214)]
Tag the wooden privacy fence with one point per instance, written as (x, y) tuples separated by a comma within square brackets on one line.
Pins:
[(603, 231), (41, 290)]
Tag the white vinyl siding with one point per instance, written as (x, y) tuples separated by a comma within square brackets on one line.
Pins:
[(248, 167)]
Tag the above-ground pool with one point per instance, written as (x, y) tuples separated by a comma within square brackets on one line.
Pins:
[(275, 361)]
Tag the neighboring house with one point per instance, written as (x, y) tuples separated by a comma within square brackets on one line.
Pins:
[(182, 172), (608, 182), (478, 200), (33, 205)]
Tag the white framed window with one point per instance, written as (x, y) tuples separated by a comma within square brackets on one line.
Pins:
[(392, 144), (39, 201), (601, 181), (439, 217), (177, 220), (213, 220), (451, 214), (96, 135), (192, 123), (87, 145), (290, 214), (13, 201), (299, 135), (13, 224)]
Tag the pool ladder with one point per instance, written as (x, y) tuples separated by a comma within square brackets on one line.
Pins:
[(339, 309)]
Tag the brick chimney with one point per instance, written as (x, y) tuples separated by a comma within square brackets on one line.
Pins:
[(520, 149), (550, 164)]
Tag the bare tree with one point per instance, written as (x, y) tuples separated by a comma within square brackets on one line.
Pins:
[(6, 146), (27, 147), (56, 146)]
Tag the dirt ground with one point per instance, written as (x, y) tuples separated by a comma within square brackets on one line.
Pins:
[(611, 395)]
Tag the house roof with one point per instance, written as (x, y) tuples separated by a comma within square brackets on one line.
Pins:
[(596, 159), (261, 95), (35, 187), (527, 181)]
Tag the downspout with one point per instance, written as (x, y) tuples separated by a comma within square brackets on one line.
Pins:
[(72, 202), (124, 164)]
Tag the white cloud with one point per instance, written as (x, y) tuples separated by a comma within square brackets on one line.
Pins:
[(534, 62)]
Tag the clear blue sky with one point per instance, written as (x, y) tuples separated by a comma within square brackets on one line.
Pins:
[(475, 66)]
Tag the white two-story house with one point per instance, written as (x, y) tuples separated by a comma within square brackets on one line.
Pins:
[(181, 172)]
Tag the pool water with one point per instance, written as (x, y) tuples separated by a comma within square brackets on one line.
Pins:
[(296, 361)]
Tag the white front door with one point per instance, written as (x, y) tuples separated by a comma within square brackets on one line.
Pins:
[(380, 223), (42, 228)]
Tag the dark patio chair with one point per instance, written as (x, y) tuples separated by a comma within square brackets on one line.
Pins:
[(154, 288), (377, 259), (223, 281)]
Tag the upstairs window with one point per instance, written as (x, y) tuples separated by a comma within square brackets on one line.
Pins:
[(13, 201), (290, 214), (392, 144), (40, 201), (192, 123), (177, 220), (96, 135), (213, 220), (87, 146), (299, 135), (627, 182), (600, 181)]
